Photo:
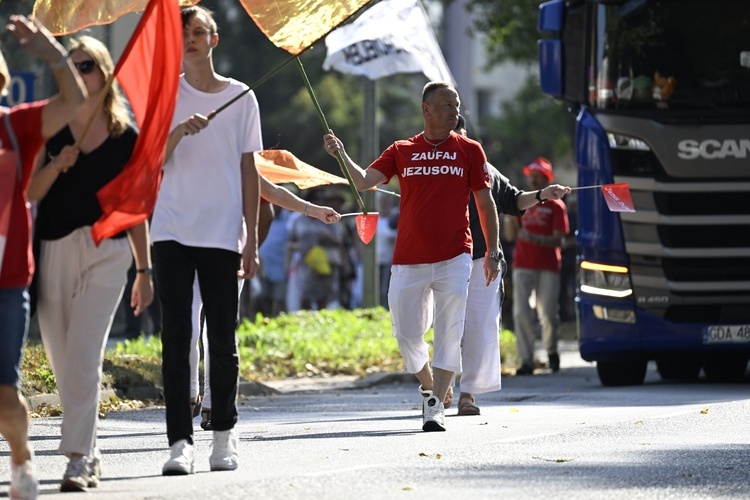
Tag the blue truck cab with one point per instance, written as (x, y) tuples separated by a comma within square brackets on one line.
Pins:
[(661, 95)]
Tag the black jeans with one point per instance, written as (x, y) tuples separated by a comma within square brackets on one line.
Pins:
[(175, 266)]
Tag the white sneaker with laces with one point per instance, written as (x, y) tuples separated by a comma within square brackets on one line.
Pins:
[(24, 484), (433, 412), (224, 451), (181, 459)]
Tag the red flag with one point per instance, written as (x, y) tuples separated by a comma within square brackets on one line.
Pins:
[(618, 197), (148, 72), (366, 226)]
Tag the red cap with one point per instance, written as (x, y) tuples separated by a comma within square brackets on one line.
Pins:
[(542, 165)]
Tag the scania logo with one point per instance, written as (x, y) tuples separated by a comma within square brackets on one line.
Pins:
[(713, 149)]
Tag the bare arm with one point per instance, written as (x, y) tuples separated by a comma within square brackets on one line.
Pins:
[(527, 199), (46, 175), (143, 287), (363, 179), (265, 218), (510, 228), (279, 195), (62, 107), (490, 227), (554, 240), (190, 126), (250, 204)]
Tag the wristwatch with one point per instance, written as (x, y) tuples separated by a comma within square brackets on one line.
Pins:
[(539, 197), (147, 271), (496, 254)]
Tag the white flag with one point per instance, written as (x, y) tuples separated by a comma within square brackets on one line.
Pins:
[(393, 36)]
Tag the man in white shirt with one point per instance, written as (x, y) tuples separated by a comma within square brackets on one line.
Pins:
[(209, 193)]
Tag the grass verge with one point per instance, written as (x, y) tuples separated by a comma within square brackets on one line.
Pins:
[(302, 344)]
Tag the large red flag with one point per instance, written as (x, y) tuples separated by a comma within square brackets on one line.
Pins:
[(148, 71)]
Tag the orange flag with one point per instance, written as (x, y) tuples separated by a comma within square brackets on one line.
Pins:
[(294, 25), (281, 167), (148, 72), (61, 17)]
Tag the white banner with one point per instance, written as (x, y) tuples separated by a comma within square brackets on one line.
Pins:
[(392, 36)]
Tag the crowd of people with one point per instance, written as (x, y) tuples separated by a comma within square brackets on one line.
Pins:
[(216, 219)]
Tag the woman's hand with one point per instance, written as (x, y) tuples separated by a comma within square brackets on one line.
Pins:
[(143, 293), (67, 158)]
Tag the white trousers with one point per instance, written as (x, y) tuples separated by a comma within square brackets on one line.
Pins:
[(80, 287), (195, 350), (546, 286), (416, 293), (480, 346)]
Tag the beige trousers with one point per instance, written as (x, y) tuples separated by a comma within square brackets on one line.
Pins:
[(80, 286)]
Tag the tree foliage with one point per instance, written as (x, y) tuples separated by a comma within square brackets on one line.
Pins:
[(288, 117), (531, 125), (511, 28)]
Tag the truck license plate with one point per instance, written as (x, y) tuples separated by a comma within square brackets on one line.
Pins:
[(726, 334)]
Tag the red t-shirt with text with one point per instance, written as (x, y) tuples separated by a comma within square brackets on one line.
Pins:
[(436, 183)]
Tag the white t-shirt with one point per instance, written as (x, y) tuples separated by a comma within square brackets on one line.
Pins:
[(200, 198)]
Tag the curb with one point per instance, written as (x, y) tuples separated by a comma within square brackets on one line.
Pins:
[(251, 388)]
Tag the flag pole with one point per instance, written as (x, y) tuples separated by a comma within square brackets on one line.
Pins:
[(234, 99), (586, 187), (99, 103), (327, 129)]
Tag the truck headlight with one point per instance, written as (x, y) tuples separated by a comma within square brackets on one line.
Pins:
[(620, 141), (605, 279)]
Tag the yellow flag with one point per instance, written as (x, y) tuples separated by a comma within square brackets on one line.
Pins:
[(62, 17), (281, 167), (294, 25)]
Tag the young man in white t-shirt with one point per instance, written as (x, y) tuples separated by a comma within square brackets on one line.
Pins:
[(209, 188)]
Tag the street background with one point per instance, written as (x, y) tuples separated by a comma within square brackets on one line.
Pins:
[(557, 435)]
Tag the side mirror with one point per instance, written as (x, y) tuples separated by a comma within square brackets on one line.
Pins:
[(552, 16), (551, 67)]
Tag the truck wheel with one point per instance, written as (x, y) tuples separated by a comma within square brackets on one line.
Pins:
[(679, 367), (617, 374), (724, 367)]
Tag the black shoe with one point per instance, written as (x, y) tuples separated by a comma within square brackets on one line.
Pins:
[(525, 370), (554, 362)]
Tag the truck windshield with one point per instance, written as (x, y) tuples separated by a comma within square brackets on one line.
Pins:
[(680, 54)]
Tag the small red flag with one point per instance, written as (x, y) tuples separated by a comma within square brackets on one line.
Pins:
[(148, 73), (618, 197), (366, 226)]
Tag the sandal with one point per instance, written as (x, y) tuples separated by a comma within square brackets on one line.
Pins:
[(448, 401), (195, 406), (206, 419), (467, 406)]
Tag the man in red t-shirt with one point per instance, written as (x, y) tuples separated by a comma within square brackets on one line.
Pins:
[(23, 130), (438, 170), (536, 268)]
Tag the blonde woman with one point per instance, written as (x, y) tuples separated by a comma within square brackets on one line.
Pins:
[(80, 284)]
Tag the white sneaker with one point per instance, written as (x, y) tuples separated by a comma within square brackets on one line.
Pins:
[(224, 453), (433, 412), (181, 459), (24, 484), (77, 475)]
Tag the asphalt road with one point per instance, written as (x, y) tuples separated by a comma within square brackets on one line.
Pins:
[(544, 436)]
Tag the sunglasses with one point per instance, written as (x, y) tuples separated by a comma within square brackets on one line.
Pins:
[(85, 67)]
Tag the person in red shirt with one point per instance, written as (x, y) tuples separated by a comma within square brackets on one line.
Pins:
[(536, 268), (438, 170), (23, 130)]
